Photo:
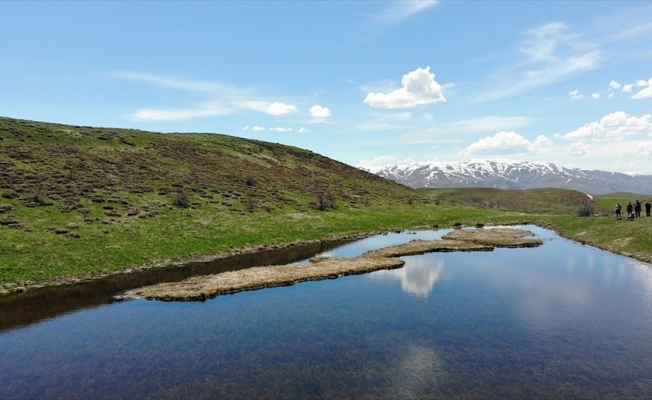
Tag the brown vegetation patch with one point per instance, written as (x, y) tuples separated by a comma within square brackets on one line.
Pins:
[(498, 237), (204, 287), (419, 246)]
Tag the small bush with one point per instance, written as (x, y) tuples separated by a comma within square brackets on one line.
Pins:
[(585, 209), (325, 200), (251, 203), (182, 199)]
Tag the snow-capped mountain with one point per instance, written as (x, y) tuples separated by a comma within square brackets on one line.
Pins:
[(507, 174)]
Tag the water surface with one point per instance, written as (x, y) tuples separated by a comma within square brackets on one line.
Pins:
[(561, 320)]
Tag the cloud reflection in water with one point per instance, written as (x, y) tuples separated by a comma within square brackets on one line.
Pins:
[(418, 276)]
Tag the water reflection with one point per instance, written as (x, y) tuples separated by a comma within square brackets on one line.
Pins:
[(418, 276), (562, 320)]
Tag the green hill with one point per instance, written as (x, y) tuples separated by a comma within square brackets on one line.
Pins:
[(531, 201), (78, 199)]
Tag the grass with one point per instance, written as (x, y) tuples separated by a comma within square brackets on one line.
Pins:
[(109, 193)]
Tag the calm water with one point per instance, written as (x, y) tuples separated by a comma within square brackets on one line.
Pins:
[(561, 320)]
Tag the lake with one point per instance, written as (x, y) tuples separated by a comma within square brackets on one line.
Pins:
[(560, 320)]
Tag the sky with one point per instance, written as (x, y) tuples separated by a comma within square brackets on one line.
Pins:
[(368, 83)]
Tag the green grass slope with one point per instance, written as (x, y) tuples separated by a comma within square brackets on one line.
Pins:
[(79, 199)]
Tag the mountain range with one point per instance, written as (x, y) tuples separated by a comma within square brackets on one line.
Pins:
[(508, 174)]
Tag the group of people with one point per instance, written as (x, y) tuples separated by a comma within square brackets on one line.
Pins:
[(633, 210)]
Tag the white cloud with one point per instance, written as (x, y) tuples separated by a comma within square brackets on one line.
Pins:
[(576, 149), (612, 127), (258, 128), (226, 99), (507, 143), (318, 111), (553, 53), (611, 95), (644, 93), (246, 128), (595, 95), (280, 109), (575, 95), (377, 162), (644, 148), (398, 11), (641, 82), (280, 129), (614, 85), (209, 109), (628, 88), (303, 130), (490, 123), (418, 87)]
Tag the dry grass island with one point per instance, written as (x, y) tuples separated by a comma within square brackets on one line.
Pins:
[(205, 287)]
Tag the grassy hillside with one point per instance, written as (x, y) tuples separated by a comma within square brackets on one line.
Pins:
[(81, 201)]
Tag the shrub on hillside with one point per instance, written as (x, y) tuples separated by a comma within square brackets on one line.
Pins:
[(182, 199), (586, 208)]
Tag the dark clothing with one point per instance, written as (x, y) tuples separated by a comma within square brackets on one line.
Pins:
[(648, 206), (630, 210), (637, 209), (618, 208)]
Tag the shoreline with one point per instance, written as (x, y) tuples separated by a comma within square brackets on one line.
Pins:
[(22, 286), (201, 288)]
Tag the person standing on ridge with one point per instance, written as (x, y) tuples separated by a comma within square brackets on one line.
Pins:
[(630, 210), (648, 206), (637, 208), (618, 208)]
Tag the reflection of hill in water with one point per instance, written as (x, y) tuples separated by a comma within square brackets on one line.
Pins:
[(418, 276)]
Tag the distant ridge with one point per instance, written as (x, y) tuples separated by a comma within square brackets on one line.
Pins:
[(508, 174)]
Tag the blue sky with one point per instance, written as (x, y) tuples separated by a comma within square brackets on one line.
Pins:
[(367, 83)]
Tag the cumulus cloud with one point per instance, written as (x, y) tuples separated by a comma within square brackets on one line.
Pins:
[(644, 93), (418, 87), (644, 148), (303, 130), (595, 95), (576, 149), (575, 95), (614, 85), (258, 128), (280, 109), (280, 129), (318, 111), (612, 127), (507, 143), (628, 88)]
